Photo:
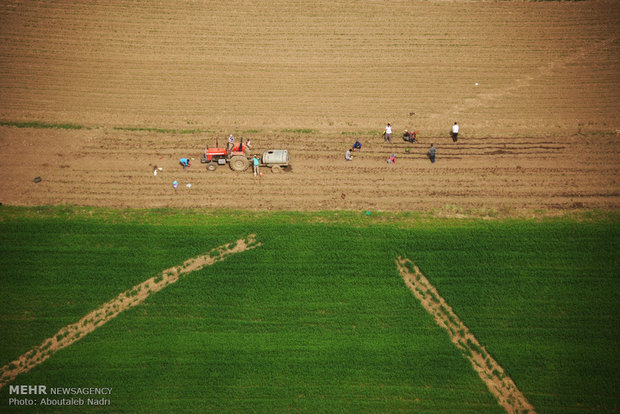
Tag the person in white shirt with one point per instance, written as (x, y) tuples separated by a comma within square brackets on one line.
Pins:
[(387, 134), (348, 156), (455, 132)]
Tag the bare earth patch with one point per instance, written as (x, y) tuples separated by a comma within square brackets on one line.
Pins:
[(534, 86), (501, 386), (111, 168), (128, 299)]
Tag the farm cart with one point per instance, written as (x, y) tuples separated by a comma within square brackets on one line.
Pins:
[(275, 159)]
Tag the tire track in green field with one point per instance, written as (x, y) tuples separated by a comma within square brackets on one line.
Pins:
[(109, 310), (492, 374)]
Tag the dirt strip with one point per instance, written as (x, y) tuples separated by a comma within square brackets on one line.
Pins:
[(128, 299), (501, 386)]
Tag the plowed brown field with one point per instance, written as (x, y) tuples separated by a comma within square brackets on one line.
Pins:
[(535, 87)]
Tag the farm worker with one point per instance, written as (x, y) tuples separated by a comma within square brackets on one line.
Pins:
[(409, 136), (231, 141), (348, 156), (392, 159), (455, 131), (387, 134), (357, 145), (255, 162), (431, 153), (184, 162), (175, 184), (247, 144)]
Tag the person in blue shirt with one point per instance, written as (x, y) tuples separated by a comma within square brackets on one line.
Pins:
[(357, 145), (255, 162), (184, 162)]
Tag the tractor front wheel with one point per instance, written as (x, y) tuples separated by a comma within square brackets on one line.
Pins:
[(211, 166)]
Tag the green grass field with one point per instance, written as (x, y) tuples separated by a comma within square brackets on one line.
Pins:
[(317, 318)]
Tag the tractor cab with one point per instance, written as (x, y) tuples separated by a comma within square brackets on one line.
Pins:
[(238, 149)]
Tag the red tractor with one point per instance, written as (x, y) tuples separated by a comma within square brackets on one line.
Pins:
[(236, 158)]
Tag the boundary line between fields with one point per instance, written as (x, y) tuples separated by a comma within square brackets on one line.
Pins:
[(492, 374), (109, 310)]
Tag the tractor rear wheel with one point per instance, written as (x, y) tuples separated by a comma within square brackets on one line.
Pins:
[(211, 166), (239, 163), (275, 169)]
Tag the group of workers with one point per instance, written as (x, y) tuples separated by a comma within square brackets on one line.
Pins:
[(408, 136), (231, 143), (356, 147), (413, 137)]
